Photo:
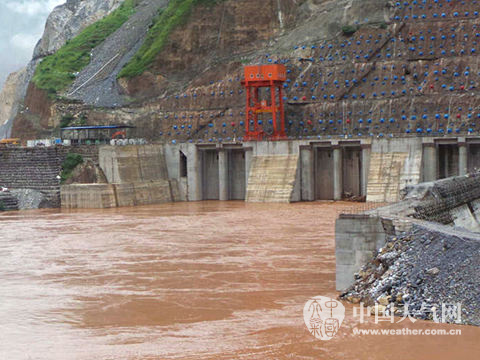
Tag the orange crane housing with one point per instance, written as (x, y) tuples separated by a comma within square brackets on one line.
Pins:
[(264, 76)]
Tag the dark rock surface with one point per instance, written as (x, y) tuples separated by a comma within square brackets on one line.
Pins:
[(8, 202)]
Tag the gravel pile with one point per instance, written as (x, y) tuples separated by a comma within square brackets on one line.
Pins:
[(422, 270), (29, 199)]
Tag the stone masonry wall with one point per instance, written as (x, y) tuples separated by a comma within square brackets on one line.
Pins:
[(33, 168), (8, 202)]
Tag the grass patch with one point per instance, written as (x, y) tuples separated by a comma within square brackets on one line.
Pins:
[(2, 206), (349, 30), (56, 72), (71, 161), (176, 13)]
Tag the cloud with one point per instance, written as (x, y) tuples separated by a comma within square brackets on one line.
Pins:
[(24, 41), (33, 7), (21, 25)]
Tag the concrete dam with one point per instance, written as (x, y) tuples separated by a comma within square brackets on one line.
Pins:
[(375, 170)]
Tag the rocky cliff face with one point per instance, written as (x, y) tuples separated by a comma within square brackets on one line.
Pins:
[(8, 101), (65, 22)]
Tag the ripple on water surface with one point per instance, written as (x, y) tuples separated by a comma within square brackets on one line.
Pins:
[(207, 280)]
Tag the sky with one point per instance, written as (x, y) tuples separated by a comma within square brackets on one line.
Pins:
[(21, 26)]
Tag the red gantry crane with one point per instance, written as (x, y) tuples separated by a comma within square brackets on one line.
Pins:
[(265, 76)]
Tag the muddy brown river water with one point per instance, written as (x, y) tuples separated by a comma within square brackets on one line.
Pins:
[(208, 280)]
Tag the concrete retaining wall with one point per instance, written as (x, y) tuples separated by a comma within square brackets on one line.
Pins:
[(453, 201), (88, 196), (137, 175), (101, 196), (357, 237), (127, 164)]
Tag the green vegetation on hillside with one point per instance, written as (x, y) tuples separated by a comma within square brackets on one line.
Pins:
[(70, 120), (176, 13), (349, 30), (70, 163), (56, 72), (66, 120)]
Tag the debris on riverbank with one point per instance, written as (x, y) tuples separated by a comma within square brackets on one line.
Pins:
[(421, 270)]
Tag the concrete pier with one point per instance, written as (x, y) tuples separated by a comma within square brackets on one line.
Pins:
[(307, 174), (429, 160), (366, 148), (337, 173), (462, 157), (223, 175)]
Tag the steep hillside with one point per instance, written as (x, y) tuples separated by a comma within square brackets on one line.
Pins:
[(356, 68), (64, 23)]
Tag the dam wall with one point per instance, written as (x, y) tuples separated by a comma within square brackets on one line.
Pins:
[(272, 179), (299, 170), (394, 164), (375, 169), (128, 164)]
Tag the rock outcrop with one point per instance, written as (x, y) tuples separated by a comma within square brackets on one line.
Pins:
[(87, 173), (97, 83), (67, 20), (9, 100)]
